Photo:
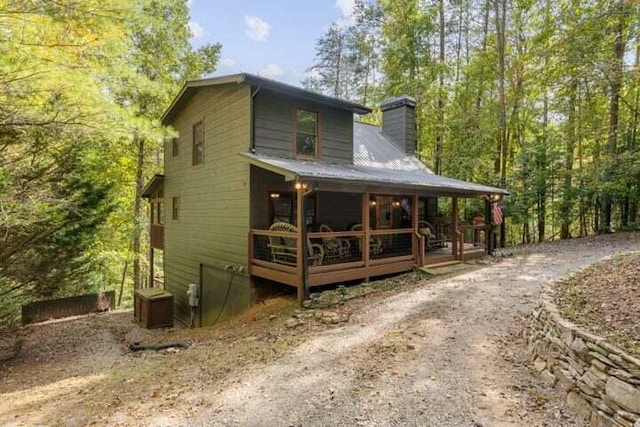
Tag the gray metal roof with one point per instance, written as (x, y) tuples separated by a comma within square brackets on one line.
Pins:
[(372, 149), (190, 88), (376, 162)]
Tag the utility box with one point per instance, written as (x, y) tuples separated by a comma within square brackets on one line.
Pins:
[(153, 308)]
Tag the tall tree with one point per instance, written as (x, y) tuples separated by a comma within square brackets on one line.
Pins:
[(161, 59), (615, 85)]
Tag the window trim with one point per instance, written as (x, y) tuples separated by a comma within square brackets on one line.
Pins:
[(297, 155), (193, 144)]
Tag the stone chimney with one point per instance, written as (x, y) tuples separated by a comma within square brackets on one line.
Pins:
[(399, 122)]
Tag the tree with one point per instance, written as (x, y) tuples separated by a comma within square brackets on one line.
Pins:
[(56, 121), (83, 84), (161, 60)]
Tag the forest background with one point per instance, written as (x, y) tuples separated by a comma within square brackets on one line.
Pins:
[(541, 97)]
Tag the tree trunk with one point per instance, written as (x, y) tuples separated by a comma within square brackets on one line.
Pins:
[(615, 86), (541, 154), (567, 190), (137, 212), (485, 36), (440, 129), (501, 153)]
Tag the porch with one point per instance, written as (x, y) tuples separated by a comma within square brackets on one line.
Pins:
[(402, 231)]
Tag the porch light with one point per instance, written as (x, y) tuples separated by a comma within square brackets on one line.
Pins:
[(496, 197), (274, 195), (396, 203), (300, 185), (372, 203)]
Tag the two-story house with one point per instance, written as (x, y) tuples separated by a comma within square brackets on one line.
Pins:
[(270, 182)]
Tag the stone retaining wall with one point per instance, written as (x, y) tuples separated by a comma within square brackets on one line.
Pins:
[(600, 381)]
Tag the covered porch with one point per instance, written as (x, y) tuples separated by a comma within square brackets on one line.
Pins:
[(403, 226)]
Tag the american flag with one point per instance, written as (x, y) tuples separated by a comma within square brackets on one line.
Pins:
[(496, 214)]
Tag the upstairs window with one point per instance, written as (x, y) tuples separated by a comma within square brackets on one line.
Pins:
[(198, 144), (306, 143), (175, 148)]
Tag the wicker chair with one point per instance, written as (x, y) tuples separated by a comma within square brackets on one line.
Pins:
[(375, 243), (433, 240), (334, 248), (284, 249)]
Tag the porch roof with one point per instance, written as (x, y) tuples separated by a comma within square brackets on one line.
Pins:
[(155, 183), (407, 175)]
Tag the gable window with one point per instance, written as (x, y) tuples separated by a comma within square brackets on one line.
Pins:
[(175, 148), (198, 144), (306, 143), (175, 204)]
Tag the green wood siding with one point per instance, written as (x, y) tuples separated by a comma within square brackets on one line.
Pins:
[(274, 116), (214, 201)]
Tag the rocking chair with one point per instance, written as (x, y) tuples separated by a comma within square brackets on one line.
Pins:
[(284, 249), (375, 243), (433, 240), (335, 248)]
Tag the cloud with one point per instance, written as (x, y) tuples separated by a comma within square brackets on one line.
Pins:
[(256, 28), (346, 6), (272, 71), (197, 32), (228, 62)]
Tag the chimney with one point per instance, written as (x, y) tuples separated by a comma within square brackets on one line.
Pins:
[(399, 122)]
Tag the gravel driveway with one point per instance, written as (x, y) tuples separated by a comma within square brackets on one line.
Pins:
[(445, 354), (445, 351)]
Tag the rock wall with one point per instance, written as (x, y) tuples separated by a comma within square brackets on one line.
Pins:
[(601, 382)]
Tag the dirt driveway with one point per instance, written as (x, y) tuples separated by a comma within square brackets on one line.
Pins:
[(437, 352)]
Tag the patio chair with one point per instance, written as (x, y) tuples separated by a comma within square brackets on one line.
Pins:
[(284, 249), (335, 248), (433, 240), (375, 243)]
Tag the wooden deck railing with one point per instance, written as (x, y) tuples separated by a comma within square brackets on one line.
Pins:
[(344, 257)]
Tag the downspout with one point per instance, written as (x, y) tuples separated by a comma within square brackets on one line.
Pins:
[(252, 144)]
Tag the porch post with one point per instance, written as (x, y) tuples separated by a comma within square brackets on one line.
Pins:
[(151, 268), (415, 247), (454, 227), (487, 226), (365, 227), (300, 258)]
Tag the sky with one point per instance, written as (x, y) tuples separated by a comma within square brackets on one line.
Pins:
[(272, 38)]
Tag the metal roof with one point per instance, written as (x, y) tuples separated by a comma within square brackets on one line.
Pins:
[(190, 88), (376, 162), (372, 149), (152, 186)]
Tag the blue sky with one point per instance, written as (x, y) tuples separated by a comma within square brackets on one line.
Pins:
[(273, 38)]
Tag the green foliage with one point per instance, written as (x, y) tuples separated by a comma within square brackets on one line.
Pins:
[(81, 82), (571, 110)]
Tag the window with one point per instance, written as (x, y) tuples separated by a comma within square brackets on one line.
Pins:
[(198, 144), (282, 208), (175, 148), (174, 207), (306, 133)]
